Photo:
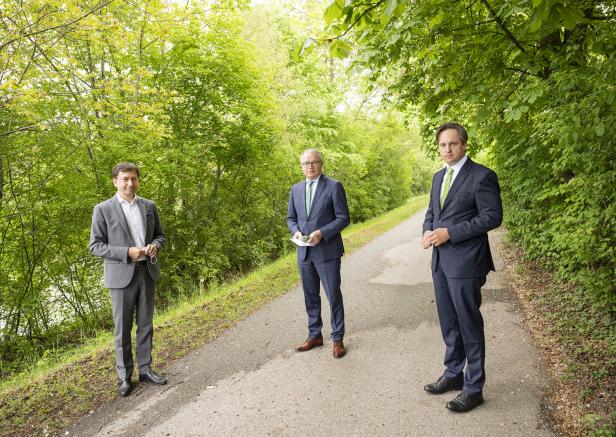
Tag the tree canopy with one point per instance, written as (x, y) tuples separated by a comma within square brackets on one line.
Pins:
[(535, 83), (210, 102)]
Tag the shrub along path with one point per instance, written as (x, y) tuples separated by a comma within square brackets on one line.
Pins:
[(249, 381)]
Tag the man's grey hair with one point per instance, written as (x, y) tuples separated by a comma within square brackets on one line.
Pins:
[(307, 151), (458, 127)]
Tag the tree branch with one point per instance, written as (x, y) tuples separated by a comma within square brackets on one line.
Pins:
[(502, 25), (524, 72), (363, 14), (59, 26)]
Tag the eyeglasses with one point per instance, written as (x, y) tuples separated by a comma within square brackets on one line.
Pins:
[(310, 163)]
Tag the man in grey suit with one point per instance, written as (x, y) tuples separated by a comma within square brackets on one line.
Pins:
[(464, 205), (126, 232), (318, 210)]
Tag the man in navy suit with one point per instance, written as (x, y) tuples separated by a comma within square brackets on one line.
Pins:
[(464, 205), (318, 209)]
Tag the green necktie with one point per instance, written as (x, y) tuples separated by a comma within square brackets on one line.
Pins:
[(309, 197), (447, 185)]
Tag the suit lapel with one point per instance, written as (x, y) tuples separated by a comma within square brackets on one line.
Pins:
[(302, 196), (141, 205), (464, 172), (317, 193), (437, 187), (118, 210)]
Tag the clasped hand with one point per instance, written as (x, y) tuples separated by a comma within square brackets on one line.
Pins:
[(137, 252), (435, 238)]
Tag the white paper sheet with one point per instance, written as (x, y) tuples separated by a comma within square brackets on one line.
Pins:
[(300, 242)]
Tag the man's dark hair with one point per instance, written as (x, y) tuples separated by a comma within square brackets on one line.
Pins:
[(461, 131), (124, 166)]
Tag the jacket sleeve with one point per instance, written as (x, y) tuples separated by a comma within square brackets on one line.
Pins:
[(292, 215), (341, 212), (99, 239), (158, 237), (429, 218), (489, 211)]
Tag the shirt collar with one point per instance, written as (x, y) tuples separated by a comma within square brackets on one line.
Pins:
[(314, 180), (125, 202), (458, 165)]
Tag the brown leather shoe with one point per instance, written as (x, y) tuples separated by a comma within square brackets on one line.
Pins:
[(339, 349), (309, 344)]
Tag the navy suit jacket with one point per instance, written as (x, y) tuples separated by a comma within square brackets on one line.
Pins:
[(329, 213), (471, 209)]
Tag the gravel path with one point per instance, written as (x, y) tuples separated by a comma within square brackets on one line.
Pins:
[(250, 382)]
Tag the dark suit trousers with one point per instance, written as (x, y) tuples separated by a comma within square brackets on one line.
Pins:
[(137, 297), (457, 302), (328, 273)]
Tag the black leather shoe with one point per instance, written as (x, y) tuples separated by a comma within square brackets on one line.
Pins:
[(153, 378), (444, 385), (465, 402), (124, 387)]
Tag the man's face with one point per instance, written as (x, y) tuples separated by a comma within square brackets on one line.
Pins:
[(450, 146), (127, 183), (311, 165)]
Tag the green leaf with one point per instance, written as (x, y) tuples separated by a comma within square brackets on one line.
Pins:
[(340, 49), (600, 129), (436, 20), (400, 8), (535, 23), (570, 16), (333, 12), (390, 7), (305, 48)]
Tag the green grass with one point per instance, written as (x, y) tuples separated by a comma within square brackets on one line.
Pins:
[(60, 391)]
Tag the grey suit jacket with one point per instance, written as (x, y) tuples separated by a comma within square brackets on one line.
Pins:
[(329, 213), (110, 239), (471, 209)]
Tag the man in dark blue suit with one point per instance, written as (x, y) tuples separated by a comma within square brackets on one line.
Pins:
[(318, 209), (464, 205)]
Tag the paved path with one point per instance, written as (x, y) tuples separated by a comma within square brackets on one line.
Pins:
[(250, 382)]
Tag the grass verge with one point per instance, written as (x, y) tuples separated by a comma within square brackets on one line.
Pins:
[(48, 400), (578, 343)]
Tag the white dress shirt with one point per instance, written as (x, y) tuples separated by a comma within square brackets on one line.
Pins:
[(456, 170), (135, 221)]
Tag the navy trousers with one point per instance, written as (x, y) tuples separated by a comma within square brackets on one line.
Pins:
[(457, 302), (327, 273)]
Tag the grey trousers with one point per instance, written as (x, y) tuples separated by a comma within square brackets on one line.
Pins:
[(137, 297)]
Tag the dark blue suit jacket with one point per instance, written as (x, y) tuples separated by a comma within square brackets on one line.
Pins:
[(329, 213), (471, 209)]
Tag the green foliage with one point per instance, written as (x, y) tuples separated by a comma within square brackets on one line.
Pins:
[(594, 426), (212, 104), (534, 82)]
